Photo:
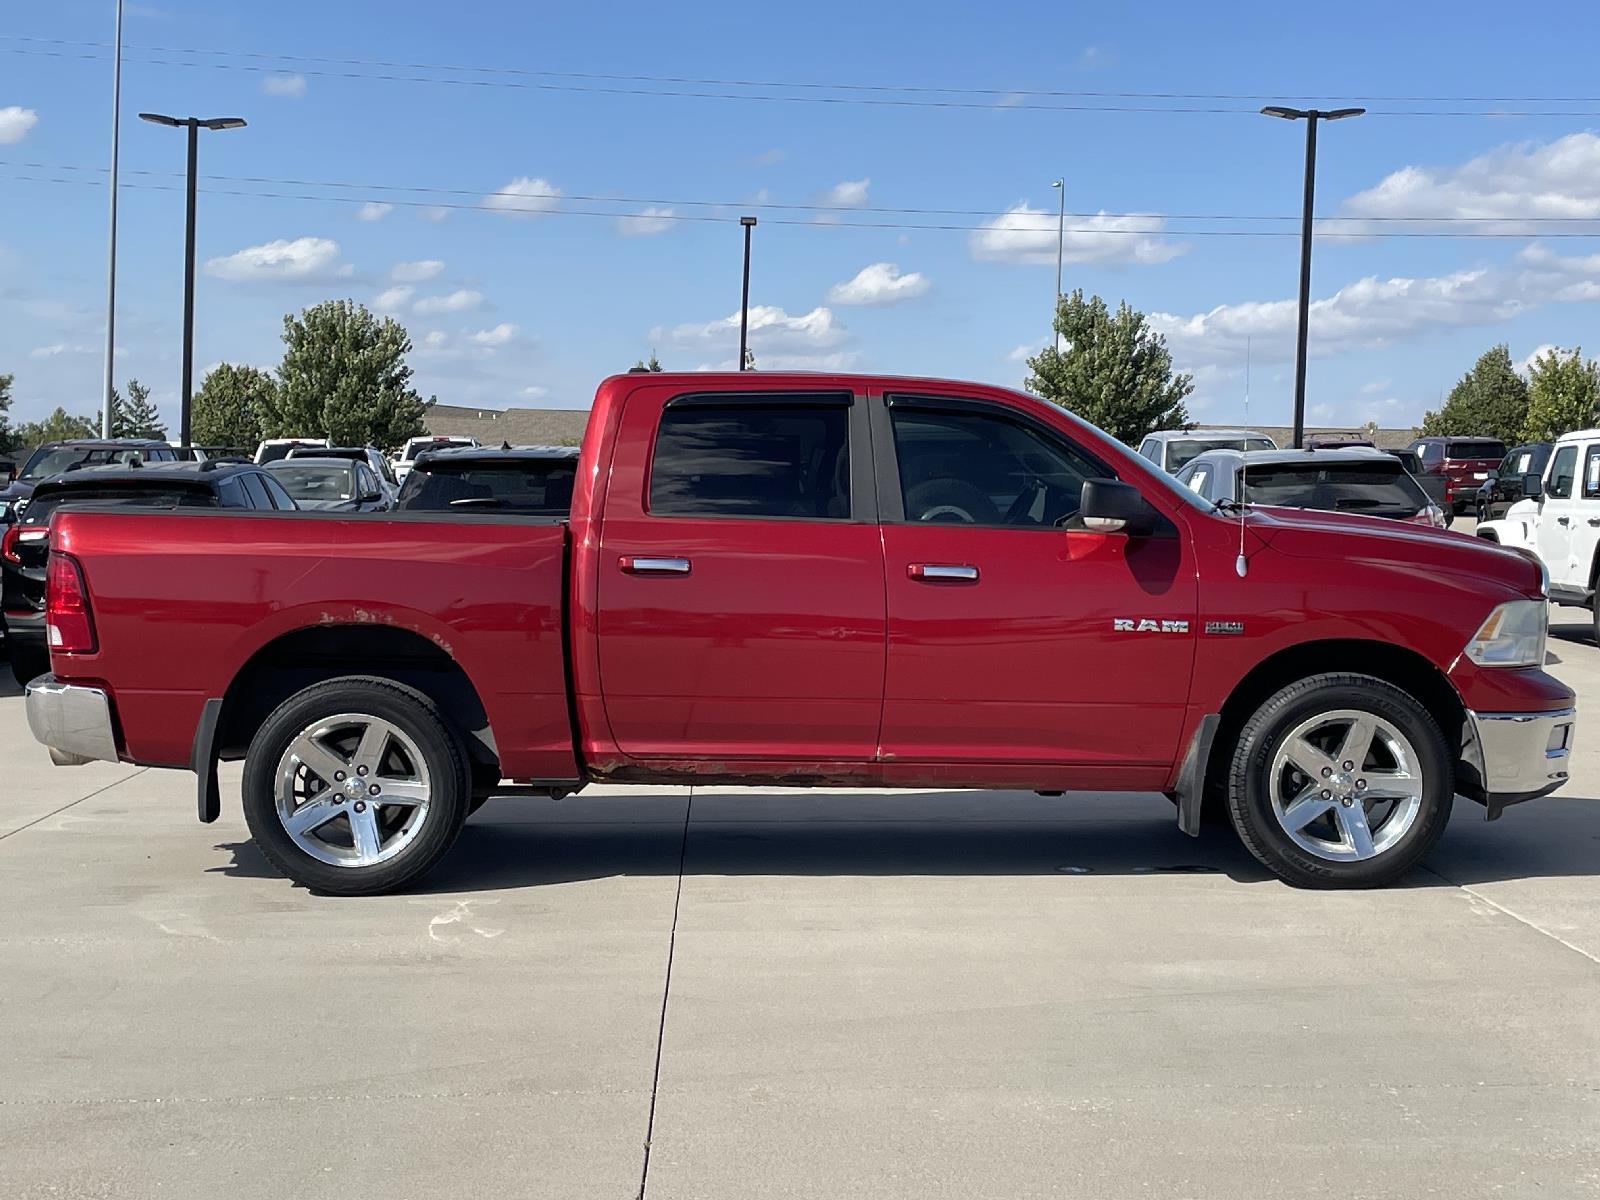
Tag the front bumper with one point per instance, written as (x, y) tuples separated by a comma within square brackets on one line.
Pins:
[(73, 721), (1512, 757)]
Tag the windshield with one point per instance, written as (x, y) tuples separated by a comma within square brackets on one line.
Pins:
[(316, 481), (1374, 489), (541, 487), (52, 460), (1475, 448), (1180, 452)]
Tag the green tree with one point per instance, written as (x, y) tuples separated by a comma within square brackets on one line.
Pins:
[(654, 364), (1563, 395), (8, 432), (57, 426), (1114, 371), (229, 407), (135, 417), (1489, 400), (344, 376)]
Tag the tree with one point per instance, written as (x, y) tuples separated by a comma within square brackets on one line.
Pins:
[(343, 376), (1114, 370), (228, 409), (58, 426), (1563, 394), (135, 417), (1490, 400), (653, 365), (8, 432)]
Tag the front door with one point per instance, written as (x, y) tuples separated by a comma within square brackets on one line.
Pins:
[(740, 598), (1015, 634), (1557, 511)]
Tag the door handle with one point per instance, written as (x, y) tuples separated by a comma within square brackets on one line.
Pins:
[(644, 564), (942, 572), (1594, 521), (1562, 521)]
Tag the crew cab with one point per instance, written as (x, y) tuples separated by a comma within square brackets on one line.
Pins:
[(795, 580)]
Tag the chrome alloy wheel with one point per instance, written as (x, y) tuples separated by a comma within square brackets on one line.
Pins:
[(352, 790), (1346, 785)]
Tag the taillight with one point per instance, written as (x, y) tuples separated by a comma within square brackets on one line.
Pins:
[(8, 544), (69, 626)]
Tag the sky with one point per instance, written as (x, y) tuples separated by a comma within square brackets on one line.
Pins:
[(543, 194)]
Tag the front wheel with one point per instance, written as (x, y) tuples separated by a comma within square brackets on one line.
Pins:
[(356, 786), (1340, 781)]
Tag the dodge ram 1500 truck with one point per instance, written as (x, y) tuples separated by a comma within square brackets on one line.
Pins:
[(812, 580)]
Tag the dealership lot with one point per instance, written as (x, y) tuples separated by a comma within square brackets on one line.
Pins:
[(902, 994)]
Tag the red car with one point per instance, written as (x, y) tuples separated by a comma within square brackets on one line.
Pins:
[(812, 581), (1464, 462)]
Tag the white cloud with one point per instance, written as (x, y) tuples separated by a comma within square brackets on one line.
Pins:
[(807, 341), (1376, 386), (525, 196), (15, 122), (435, 338), (419, 271), (393, 299), (851, 193), (303, 259), (374, 210), (500, 335), (534, 392), (435, 214), (645, 222), (1021, 353), (58, 349), (291, 86), (880, 283), (1526, 365), (1519, 180), (1024, 234), (463, 300)]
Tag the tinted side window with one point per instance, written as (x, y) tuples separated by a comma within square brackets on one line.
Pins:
[(1561, 472), (280, 498), (231, 495), (1591, 472), (768, 460), (974, 469), (257, 494)]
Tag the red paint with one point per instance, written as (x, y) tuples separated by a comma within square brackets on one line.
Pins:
[(791, 651)]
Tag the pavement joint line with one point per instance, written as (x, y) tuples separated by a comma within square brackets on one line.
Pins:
[(79, 800), (1517, 917), (666, 992)]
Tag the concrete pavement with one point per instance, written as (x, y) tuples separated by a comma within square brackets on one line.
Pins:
[(905, 994)]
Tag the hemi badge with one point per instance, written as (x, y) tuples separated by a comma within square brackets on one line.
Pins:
[(1226, 627)]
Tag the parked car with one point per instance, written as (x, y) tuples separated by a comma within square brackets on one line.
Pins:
[(537, 480), (206, 453), (1503, 488), (25, 544), (1172, 448), (420, 445), (812, 579), (1335, 441), (273, 449), (54, 457), (1433, 486), (370, 455), (331, 484), (1463, 462), (1356, 479)]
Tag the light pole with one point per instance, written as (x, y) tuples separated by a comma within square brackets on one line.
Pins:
[(194, 125), (111, 251), (1310, 116), (749, 223), (1061, 243)]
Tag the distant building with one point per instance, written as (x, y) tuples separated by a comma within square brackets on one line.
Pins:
[(1383, 439), (519, 426)]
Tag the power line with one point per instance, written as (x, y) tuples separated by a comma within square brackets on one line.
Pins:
[(814, 223)]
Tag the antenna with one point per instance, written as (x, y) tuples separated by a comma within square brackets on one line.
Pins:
[(1241, 565), (1247, 379)]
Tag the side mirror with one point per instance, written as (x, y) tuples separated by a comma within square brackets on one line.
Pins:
[(1111, 506), (1532, 487)]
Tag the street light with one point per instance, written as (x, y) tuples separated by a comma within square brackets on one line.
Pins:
[(749, 223), (1310, 116), (1061, 243), (194, 125)]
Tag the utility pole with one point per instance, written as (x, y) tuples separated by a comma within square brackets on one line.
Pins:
[(111, 253), (749, 223)]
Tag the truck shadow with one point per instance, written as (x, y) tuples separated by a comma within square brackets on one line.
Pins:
[(519, 843)]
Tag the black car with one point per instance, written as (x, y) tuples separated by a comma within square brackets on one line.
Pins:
[(530, 480), (1503, 488), (52, 458), (25, 544), (331, 484)]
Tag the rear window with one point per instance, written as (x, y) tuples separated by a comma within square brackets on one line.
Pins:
[(281, 450), (539, 487), (311, 480), (1180, 452), (1374, 489), (40, 507), (55, 460), (1474, 448)]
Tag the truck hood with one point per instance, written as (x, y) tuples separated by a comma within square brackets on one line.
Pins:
[(1304, 533)]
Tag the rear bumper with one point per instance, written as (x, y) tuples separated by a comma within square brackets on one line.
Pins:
[(1515, 756), (73, 721)]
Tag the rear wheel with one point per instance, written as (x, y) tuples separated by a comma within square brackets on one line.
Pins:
[(1340, 781), (355, 786)]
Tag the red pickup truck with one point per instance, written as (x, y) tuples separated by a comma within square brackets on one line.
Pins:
[(807, 581)]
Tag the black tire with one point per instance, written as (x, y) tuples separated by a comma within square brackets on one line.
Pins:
[(1249, 800), (419, 718), (27, 664)]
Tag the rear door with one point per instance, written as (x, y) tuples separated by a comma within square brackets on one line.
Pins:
[(740, 594), (1556, 512)]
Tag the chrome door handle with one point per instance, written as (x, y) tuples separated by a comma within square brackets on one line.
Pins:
[(643, 564), (943, 572)]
